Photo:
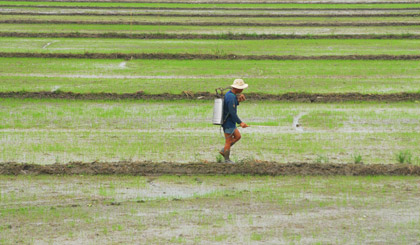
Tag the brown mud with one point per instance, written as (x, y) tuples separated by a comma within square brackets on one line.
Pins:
[(286, 97), (305, 24), (210, 8), (221, 2), (211, 15), (226, 36), (187, 56), (248, 168)]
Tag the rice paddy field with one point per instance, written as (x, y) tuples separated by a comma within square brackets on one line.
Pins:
[(106, 134)]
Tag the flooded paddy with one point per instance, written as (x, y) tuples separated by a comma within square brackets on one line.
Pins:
[(98, 146), (209, 209)]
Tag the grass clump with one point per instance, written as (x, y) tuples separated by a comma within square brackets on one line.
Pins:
[(321, 159), (256, 237), (404, 157), (357, 158), (219, 158), (249, 159), (416, 161)]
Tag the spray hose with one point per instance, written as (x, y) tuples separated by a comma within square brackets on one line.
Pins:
[(219, 91)]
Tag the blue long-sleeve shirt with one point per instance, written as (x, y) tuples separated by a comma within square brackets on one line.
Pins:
[(230, 106)]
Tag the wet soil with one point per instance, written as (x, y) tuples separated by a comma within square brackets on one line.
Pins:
[(211, 15), (291, 97), (187, 56), (249, 168), (226, 36), (192, 9), (307, 24)]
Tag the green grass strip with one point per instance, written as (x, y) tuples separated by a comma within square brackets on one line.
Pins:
[(315, 19), (297, 47), (175, 76)]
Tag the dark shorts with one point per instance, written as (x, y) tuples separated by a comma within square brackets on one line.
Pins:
[(229, 130)]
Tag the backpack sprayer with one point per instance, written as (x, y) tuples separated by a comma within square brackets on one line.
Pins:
[(218, 107)]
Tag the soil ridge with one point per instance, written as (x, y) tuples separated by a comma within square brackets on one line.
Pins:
[(307, 24), (246, 168), (188, 95), (226, 36), (186, 56), (223, 2), (197, 8), (210, 15)]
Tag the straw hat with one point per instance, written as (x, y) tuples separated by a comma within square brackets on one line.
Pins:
[(239, 84)]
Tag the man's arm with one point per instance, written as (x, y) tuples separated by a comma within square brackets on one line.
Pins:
[(232, 111), (241, 97)]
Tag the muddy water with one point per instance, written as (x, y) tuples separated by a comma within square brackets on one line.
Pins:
[(222, 210), (296, 125), (122, 65)]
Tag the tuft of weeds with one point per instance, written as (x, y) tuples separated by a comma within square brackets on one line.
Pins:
[(321, 159), (407, 35), (416, 161), (248, 159), (404, 157), (256, 237), (117, 227), (219, 158), (221, 238), (357, 158), (56, 90), (178, 239), (218, 51)]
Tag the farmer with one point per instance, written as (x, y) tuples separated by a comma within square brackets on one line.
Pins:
[(230, 107)]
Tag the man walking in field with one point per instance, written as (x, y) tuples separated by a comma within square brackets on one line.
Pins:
[(230, 116)]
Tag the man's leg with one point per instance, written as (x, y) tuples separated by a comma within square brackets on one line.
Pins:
[(231, 139), (228, 142), (225, 151), (236, 137)]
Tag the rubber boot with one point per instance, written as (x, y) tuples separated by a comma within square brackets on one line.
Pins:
[(222, 151), (227, 155)]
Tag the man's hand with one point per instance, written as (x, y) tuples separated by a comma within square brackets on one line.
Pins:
[(244, 125), (241, 97)]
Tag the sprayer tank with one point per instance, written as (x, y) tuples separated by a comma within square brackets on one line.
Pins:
[(218, 111)]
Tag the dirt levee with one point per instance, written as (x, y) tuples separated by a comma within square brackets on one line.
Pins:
[(307, 24), (208, 15), (292, 97), (249, 168), (227, 36), (186, 56), (227, 2), (197, 8)]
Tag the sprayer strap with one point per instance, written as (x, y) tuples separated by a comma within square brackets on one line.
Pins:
[(225, 118)]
